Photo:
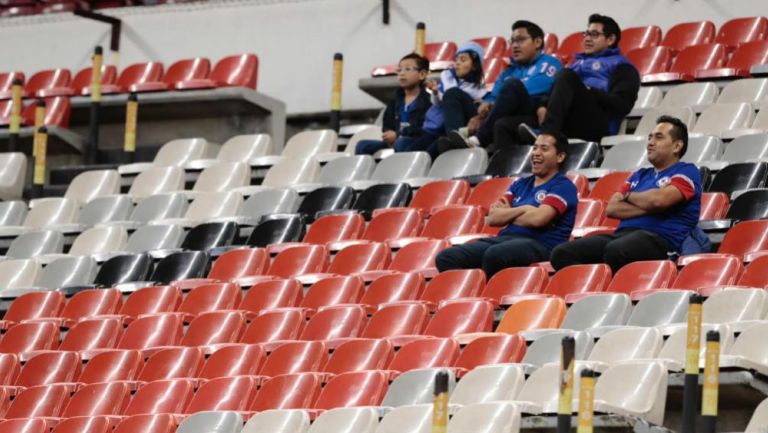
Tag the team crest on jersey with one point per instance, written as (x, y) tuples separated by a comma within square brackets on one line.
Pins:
[(596, 66), (540, 196), (664, 181)]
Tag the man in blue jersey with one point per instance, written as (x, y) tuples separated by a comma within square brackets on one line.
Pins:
[(537, 214), (519, 89), (658, 207)]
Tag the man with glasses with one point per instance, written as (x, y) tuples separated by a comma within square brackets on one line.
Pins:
[(519, 89), (592, 96)]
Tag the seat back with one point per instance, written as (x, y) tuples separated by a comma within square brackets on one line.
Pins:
[(240, 70), (157, 180)]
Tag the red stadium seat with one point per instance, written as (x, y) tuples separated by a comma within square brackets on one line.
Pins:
[(639, 37), (150, 300), (427, 353), (238, 360), (335, 322), (240, 262), (6, 83), (57, 112), (651, 60), (296, 357), (743, 58), (210, 297), (48, 79), (690, 60), (492, 349), (581, 182), (89, 303), (609, 184), (33, 305), (240, 70), (440, 51), (744, 238), (215, 327), (418, 257), (81, 83), (461, 317), (162, 423), (754, 274), (272, 294), (737, 31), (162, 396), (289, 391), (30, 425), (684, 35), (48, 368), (492, 68), (28, 337), (572, 44), (297, 260), (454, 284), (333, 291), (95, 424), (516, 281), (453, 221), (112, 366), (358, 258), (551, 43), (644, 275), (133, 76), (179, 72), (360, 354), (579, 279), (224, 393), (152, 331), (328, 229), (6, 105), (391, 320), (486, 193), (394, 224), (352, 389), (533, 314), (393, 288), (714, 206), (98, 399), (39, 401), (275, 325), (92, 334), (589, 212), (709, 272), (438, 194), (9, 370), (494, 46), (172, 363)]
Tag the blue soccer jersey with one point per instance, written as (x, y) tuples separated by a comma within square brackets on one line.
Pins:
[(559, 193), (675, 223)]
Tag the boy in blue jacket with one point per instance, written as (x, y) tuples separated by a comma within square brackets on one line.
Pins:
[(520, 88)]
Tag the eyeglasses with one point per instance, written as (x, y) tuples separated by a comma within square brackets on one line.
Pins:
[(593, 34), (518, 40), (407, 69)]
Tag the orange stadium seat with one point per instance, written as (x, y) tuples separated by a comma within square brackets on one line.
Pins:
[(98, 399), (533, 314), (709, 272), (152, 331)]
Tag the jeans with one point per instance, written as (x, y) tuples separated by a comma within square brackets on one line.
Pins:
[(493, 254)]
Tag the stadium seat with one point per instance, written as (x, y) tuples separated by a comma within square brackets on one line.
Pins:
[(237, 263), (152, 331), (455, 163), (673, 352), (99, 242), (737, 31), (237, 360), (49, 368), (419, 257), (516, 281), (180, 266), (275, 325), (487, 192), (589, 213), (179, 72), (690, 60), (28, 337), (510, 162), (346, 420), (643, 275), (240, 148), (684, 35), (31, 306), (625, 344), (639, 37), (745, 148), (41, 81), (278, 230), (218, 421), (594, 311), (26, 425), (660, 307), (489, 417), (221, 176), (362, 388), (570, 45), (492, 68), (296, 261), (581, 155), (157, 180), (395, 168), (407, 419), (759, 418), (161, 396), (751, 205), (647, 97), (6, 82), (162, 207), (609, 184), (324, 200), (343, 170), (112, 366), (741, 61), (396, 319), (361, 132), (207, 236), (104, 210), (335, 322), (494, 46), (392, 288), (740, 176), (648, 122), (123, 269), (90, 335), (751, 90), (747, 352), (744, 238), (493, 349), (18, 274), (650, 59), (449, 223), (13, 177), (174, 153), (223, 394), (461, 317), (696, 95), (382, 196), (57, 111), (390, 225), (438, 194), (709, 272), (722, 119), (233, 71), (172, 363), (270, 201), (454, 284), (753, 275), (271, 294), (415, 387), (359, 355), (39, 402), (637, 389), (208, 206), (426, 353), (333, 290), (577, 279), (214, 328), (287, 391), (161, 423), (150, 300), (81, 83), (98, 399), (304, 144), (210, 297), (533, 314), (548, 348), (134, 76), (12, 212), (736, 307)]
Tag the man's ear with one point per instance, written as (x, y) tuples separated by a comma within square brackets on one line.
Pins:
[(561, 157), (611, 40), (678, 146)]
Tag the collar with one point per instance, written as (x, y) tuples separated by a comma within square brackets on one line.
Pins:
[(608, 52)]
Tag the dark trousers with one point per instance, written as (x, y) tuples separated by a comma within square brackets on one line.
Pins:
[(493, 254), (505, 132), (402, 144), (617, 250), (458, 108), (512, 102), (573, 109)]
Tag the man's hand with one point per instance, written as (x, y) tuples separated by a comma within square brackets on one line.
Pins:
[(431, 85), (500, 203), (474, 124), (541, 113), (389, 137), (484, 109)]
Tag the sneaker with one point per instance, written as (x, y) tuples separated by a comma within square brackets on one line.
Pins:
[(527, 134)]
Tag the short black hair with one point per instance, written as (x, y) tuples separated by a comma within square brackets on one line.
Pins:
[(561, 142), (679, 131), (610, 26), (421, 62), (533, 29)]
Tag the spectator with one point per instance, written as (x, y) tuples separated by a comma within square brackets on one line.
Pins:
[(658, 207), (538, 212)]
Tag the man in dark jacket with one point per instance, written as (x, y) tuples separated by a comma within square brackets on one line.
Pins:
[(592, 96)]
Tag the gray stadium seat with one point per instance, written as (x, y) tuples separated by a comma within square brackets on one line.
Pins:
[(240, 148), (488, 383), (395, 168), (33, 244), (12, 213), (103, 210), (702, 148), (211, 422), (12, 175), (346, 420), (454, 163), (547, 348), (281, 420), (415, 387), (698, 96), (155, 237), (648, 122), (600, 309), (745, 148), (722, 119), (175, 153)]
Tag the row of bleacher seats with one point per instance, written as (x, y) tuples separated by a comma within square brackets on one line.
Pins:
[(16, 8)]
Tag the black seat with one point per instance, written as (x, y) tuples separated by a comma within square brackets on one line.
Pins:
[(735, 177), (382, 196), (751, 205), (181, 266), (510, 161), (706, 177), (328, 198), (124, 269), (205, 236), (285, 228), (581, 155)]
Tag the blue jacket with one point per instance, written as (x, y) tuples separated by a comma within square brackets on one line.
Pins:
[(596, 70), (538, 77)]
